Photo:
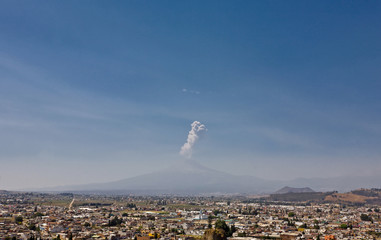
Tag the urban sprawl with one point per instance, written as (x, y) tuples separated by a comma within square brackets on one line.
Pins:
[(85, 216)]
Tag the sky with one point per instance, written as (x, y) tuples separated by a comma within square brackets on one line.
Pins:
[(96, 91)]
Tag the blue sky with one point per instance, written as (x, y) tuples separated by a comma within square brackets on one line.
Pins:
[(94, 91)]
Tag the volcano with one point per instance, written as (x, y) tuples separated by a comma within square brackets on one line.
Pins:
[(183, 177)]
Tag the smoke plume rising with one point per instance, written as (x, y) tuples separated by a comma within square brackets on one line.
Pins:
[(193, 135)]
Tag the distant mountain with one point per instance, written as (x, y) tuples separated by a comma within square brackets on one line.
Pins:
[(183, 177), (341, 184), (286, 189), (358, 197), (190, 177)]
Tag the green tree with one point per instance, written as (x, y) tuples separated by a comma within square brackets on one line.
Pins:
[(32, 227), (115, 222), (210, 219), (214, 234), (18, 219), (365, 217), (233, 230), (304, 226), (217, 211), (221, 224), (38, 214)]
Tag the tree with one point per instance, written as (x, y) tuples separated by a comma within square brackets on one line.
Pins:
[(32, 227), (131, 205), (38, 214), (365, 217), (214, 234), (210, 218), (18, 219), (232, 230), (115, 221), (221, 224), (217, 211)]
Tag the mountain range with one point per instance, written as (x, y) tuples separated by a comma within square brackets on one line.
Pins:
[(190, 177)]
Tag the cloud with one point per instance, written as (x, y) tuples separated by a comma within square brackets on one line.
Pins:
[(193, 136), (185, 90)]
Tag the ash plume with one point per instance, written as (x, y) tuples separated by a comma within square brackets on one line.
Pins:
[(193, 136)]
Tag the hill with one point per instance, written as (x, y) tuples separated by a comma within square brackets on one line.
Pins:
[(356, 197), (294, 190), (360, 196)]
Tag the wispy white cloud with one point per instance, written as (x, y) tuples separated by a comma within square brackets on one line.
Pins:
[(185, 90)]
